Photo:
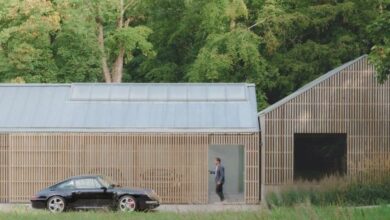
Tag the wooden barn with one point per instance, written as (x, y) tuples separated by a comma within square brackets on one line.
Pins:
[(159, 136), (337, 124), (166, 136)]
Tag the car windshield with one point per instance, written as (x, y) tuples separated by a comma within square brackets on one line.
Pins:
[(107, 181)]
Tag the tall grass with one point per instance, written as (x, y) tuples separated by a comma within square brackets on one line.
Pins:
[(372, 188), (326, 192)]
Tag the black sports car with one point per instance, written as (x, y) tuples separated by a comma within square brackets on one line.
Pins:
[(88, 192)]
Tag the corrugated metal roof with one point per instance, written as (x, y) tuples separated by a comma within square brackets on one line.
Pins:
[(220, 107), (310, 85)]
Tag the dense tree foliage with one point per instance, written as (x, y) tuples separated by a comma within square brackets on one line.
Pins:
[(278, 45)]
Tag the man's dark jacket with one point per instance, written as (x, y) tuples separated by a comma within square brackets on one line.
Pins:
[(220, 174)]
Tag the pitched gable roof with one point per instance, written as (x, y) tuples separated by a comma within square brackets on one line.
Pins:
[(220, 107), (310, 85)]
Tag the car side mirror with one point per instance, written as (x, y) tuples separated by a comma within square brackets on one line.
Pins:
[(103, 188)]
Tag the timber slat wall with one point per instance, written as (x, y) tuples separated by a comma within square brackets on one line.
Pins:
[(4, 167), (350, 102), (174, 165)]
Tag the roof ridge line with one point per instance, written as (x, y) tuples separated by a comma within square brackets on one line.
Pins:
[(35, 85), (310, 85), (123, 84)]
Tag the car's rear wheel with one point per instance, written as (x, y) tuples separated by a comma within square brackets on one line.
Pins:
[(56, 204), (127, 204)]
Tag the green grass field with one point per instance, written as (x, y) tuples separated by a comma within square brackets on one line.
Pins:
[(296, 213)]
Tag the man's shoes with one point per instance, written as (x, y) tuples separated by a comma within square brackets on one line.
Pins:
[(223, 202)]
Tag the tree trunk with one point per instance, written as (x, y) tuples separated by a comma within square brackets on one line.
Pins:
[(116, 73), (117, 69), (122, 13), (232, 24), (106, 70)]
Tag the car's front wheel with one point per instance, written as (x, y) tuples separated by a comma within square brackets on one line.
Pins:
[(127, 204), (56, 204)]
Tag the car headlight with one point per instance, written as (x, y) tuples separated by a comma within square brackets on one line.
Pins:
[(153, 195), (37, 196)]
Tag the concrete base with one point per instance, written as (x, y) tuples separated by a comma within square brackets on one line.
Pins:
[(229, 198), (217, 207)]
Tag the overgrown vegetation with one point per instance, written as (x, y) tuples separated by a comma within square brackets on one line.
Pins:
[(296, 213), (333, 191), (278, 45)]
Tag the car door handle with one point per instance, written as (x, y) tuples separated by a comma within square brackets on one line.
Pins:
[(77, 192)]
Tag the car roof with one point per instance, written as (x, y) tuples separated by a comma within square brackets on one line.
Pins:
[(83, 176), (75, 178)]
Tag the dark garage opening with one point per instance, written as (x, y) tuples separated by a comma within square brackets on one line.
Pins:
[(319, 155)]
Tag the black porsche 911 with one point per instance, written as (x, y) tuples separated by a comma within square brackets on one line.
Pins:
[(90, 192)]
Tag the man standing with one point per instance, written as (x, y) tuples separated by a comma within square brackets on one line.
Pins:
[(219, 178)]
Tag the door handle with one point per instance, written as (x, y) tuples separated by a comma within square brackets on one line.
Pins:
[(77, 192)]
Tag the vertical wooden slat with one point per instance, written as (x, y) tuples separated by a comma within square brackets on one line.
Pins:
[(351, 102), (4, 167)]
